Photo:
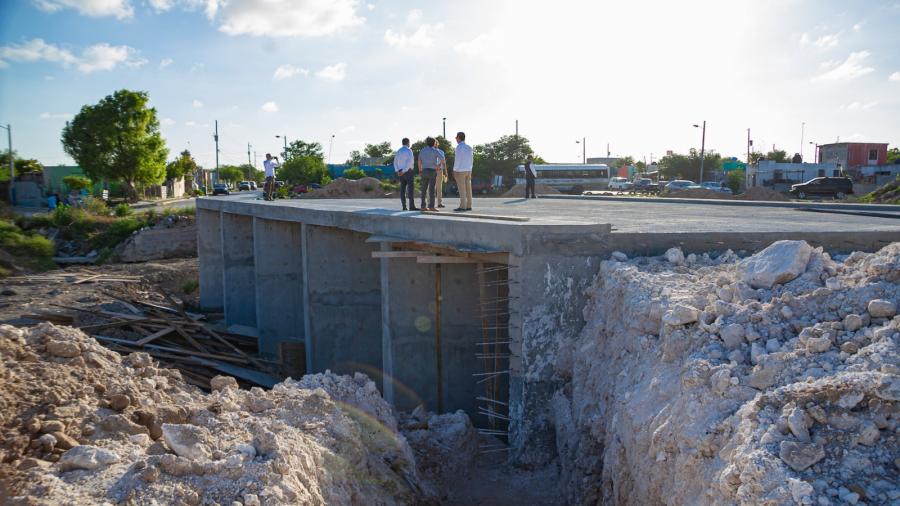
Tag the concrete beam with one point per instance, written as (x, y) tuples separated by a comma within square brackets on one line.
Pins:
[(387, 342), (279, 283), (209, 250), (239, 278)]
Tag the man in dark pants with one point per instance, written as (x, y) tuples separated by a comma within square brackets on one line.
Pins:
[(403, 166), (530, 176), (429, 158)]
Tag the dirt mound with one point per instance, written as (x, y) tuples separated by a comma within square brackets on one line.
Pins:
[(889, 193), (518, 191), (342, 188), (82, 425), (698, 193), (762, 194), (769, 380)]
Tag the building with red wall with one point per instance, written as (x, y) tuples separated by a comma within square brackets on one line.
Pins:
[(850, 156)]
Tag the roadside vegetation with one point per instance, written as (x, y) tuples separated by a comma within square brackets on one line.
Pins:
[(886, 194)]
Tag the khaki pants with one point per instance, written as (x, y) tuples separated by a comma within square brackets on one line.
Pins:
[(464, 183), (439, 188)]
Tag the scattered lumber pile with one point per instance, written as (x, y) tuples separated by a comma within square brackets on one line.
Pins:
[(76, 277)]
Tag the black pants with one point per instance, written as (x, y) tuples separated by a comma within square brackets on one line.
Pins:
[(429, 178), (529, 187), (407, 188)]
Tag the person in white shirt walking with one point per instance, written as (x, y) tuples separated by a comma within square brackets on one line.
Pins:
[(462, 172), (270, 164), (403, 166)]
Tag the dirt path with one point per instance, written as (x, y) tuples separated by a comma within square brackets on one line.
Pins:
[(493, 482)]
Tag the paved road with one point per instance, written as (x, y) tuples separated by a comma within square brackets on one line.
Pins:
[(624, 216)]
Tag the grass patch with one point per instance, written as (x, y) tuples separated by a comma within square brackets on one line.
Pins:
[(190, 286), (30, 250)]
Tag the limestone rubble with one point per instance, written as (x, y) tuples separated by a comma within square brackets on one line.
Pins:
[(769, 380)]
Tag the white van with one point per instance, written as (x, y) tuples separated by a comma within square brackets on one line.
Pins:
[(619, 183)]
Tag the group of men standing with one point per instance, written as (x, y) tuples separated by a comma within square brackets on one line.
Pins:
[(432, 166)]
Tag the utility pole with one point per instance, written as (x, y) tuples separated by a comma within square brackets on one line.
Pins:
[(749, 144), (445, 127), (12, 163), (517, 128), (607, 150), (216, 137), (702, 149), (802, 131), (254, 158), (285, 154), (250, 163), (331, 144), (583, 143)]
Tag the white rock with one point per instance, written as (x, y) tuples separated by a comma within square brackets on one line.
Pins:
[(732, 335), (781, 262), (852, 322), (773, 345), (86, 457), (799, 489), (818, 344), (833, 283), (141, 439), (869, 433), (799, 422), (787, 312), (619, 256), (675, 256), (681, 314), (64, 349), (223, 383), (186, 440), (881, 308)]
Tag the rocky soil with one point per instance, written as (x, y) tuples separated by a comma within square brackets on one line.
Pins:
[(83, 425), (773, 379)]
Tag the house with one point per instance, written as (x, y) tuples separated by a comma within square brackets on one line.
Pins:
[(781, 176), (852, 156)]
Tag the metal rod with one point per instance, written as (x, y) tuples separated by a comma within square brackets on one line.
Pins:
[(493, 414), (482, 292), (437, 339), (495, 401), (499, 450)]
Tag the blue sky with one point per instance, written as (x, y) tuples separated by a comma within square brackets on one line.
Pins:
[(635, 75)]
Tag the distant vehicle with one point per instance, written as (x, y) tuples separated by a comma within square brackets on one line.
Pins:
[(680, 184), (221, 189), (479, 186), (836, 187), (644, 185), (253, 185), (620, 183), (569, 177), (716, 187), (279, 184), (244, 186)]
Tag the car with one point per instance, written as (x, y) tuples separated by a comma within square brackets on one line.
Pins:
[(253, 185), (716, 187), (644, 185), (680, 184), (479, 186), (279, 184), (244, 186), (835, 187), (619, 183), (221, 189)]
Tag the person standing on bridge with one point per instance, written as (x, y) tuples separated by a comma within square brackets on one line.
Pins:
[(270, 164), (441, 176), (462, 172), (403, 166), (530, 177), (429, 161)]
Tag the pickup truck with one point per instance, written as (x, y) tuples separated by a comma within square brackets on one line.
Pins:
[(644, 186)]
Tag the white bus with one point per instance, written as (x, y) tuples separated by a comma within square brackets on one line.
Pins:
[(569, 177)]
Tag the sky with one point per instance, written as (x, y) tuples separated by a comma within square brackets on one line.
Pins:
[(634, 76)]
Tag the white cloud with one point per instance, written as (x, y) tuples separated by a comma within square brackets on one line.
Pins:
[(347, 129), (167, 122), (804, 39), (284, 18), (190, 123), (371, 7), (165, 62), (269, 106), (486, 45), (828, 40), (196, 104), (851, 68), (161, 5), (421, 38), (414, 16), (62, 115), (857, 27), (121, 9), (336, 72), (97, 57), (287, 71), (859, 106), (894, 77)]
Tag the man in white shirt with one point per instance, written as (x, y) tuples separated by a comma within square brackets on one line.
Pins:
[(270, 164), (462, 172), (403, 166)]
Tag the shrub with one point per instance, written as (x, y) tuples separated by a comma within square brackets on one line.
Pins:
[(354, 173), (388, 186), (95, 206), (32, 250), (77, 183), (117, 232), (190, 286), (123, 210)]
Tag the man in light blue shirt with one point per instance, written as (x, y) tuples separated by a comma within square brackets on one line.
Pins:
[(441, 175), (429, 161), (403, 166), (462, 172)]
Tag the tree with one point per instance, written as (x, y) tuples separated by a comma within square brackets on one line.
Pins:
[(678, 166), (304, 170), (353, 174), (231, 173), (184, 166), (22, 165), (893, 156), (734, 180), (77, 183), (777, 156), (640, 166), (355, 158), (382, 150), (118, 138), (501, 156), (621, 162), (301, 148), (756, 156)]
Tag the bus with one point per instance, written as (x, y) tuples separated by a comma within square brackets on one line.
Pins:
[(569, 177)]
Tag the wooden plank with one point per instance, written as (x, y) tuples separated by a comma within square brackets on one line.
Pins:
[(446, 260), (154, 336), (232, 347), (99, 326), (397, 254), (89, 278)]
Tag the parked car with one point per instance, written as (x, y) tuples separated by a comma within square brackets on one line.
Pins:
[(680, 184), (221, 189), (253, 185), (620, 183), (836, 187), (244, 186), (716, 187), (479, 186), (644, 185)]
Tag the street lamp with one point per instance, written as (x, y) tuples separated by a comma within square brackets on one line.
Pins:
[(330, 145), (702, 149), (583, 143), (285, 154), (12, 163), (445, 127), (816, 152)]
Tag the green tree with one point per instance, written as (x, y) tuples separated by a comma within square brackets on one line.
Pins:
[(300, 148), (501, 156), (778, 156), (118, 139), (184, 166), (756, 156), (627, 160), (678, 166), (355, 158), (304, 170), (382, 150), (22, 165), (735, 180), (353, 173), (230, 173), (640, 166), (893, 156), (77, 183)]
